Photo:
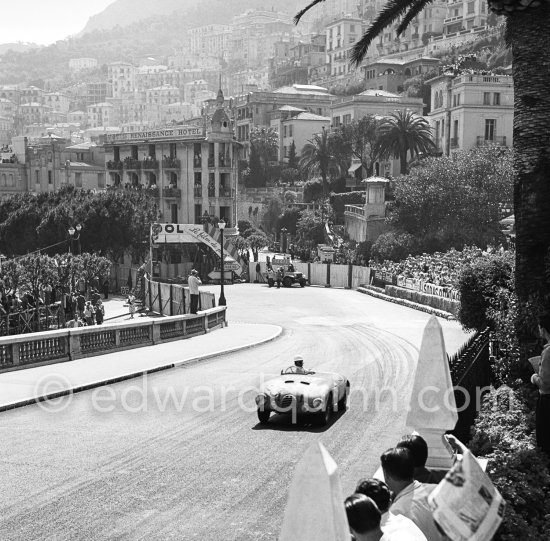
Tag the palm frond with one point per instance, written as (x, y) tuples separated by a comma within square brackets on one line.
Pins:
[(302, 12), (392, 11), (411, 14)]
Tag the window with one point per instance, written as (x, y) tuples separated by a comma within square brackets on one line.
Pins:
[(101, 180), (174, 213), (336, 121), (352, 28), (455, 129), (37, 177), (198, 214), (78, 180), (3, 180), (50, 181), (290, 131), (496, 98), (437, 131), (284, 131), (346, 119), (486, 98), (490, 128), (471, 7)]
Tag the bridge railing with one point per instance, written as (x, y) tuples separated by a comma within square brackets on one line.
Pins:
[(24, 350)]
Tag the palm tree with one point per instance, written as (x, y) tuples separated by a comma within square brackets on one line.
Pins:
[(266, 143), (403, 132), (527, 33), (318, 158)]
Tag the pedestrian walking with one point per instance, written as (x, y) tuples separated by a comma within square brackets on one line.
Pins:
[(89, 313), (280, 276), (258, 273), (194, 282)]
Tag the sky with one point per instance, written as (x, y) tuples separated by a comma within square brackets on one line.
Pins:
[(46, 21)]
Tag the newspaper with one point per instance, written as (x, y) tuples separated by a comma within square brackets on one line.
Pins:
[(466, 504), (535, 363)]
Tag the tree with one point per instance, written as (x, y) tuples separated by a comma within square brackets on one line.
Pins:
[(292, 157), (255, 175), (403, 132), (394, 246), (361, 138), (272, 213), (257, 241), (318, 158), (455, 201), (265, 142), (310, 228), (36, 270), (527, 33), (92, 265), (289, 220)]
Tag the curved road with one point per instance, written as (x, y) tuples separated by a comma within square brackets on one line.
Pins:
[(179, 454)]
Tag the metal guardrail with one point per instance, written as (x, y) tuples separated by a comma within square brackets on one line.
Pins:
[(24, 350)]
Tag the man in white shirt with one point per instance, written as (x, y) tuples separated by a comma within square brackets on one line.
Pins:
[(411, 497), (396, 527), (194, 282)]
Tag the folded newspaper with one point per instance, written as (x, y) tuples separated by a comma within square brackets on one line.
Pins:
[(466, 504), (535, 363)]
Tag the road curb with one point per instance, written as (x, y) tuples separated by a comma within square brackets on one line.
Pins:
[(101, 383)]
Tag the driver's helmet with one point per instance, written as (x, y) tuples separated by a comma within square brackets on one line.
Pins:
[(298, 361)]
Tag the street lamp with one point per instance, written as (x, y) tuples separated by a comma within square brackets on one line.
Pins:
[(72, 232), (284, 231), (221, 225)]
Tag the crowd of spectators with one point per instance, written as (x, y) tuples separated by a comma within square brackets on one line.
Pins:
[(439, 268), (397, 508)]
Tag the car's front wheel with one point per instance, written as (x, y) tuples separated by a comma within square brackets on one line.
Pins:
[(325, 415), (263, 416), (287, 282), (342, 403)]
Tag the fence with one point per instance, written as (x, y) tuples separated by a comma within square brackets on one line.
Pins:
[(32, 320), (383, 278), (471, 374), (26, 350), (173, 299), (323, 274)]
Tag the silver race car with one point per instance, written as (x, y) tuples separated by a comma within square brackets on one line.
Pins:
[(303, 393)]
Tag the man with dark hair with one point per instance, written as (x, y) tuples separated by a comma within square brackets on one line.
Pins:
[(394, 526), (418, 447), (363, 518), (411, 497)]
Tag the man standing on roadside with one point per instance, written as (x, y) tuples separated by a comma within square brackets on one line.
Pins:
[(194, 282)]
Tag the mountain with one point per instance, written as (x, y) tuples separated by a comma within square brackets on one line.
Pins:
[(202, 12), (18, 47)]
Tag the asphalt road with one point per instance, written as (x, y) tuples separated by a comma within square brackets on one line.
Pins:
[(179, 455)]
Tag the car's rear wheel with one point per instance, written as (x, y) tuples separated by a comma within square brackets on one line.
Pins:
[(325, 415), (287, 282), (303, 283), (342, 403), (263, 416)]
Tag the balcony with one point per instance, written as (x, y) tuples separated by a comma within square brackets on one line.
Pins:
[(198, 191), (171, 163), (225, 192), (224, 161), (197, 162), (150, 164), (211, 191), (114, 165), (454, 142), (171, 193), (355, 210), (484, 141), (130, 163)]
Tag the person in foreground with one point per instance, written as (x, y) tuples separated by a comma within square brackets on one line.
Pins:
[(411, 497), (194, 282), (542, 380)]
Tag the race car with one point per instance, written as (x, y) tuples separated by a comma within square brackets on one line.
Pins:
[(315, 395)]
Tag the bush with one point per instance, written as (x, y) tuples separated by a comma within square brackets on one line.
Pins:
[(479, 285), (394, 246), (503, 433), (313, 190)]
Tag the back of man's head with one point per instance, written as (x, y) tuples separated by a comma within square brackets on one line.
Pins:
[(398, 464), (363, 514), (417, 446), (377, 491)]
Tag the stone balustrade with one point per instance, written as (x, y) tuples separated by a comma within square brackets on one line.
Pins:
[(24, 350)]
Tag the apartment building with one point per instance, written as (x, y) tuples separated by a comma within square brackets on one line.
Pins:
[(122, 76), (341, 36), (102, 114), (471, 110), (191, 168), (82, 64), (58, 101), (465, 15)]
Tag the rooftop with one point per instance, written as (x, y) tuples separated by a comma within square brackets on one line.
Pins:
[(303, 89), (310, 116), (382, 93)]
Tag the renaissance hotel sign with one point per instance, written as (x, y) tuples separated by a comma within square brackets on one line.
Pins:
[(177, 132)]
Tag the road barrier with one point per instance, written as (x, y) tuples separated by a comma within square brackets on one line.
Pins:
[(26, 350)]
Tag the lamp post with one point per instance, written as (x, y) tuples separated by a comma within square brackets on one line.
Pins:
[(221, 301), (284, 231)]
